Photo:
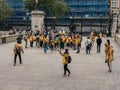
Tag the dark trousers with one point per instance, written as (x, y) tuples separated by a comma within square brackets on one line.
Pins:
[(88, 48), (31, 44), (26, 42), (15, 57), (61, 45), (41, 43), (78, 48), (66, 69), (98, 48)]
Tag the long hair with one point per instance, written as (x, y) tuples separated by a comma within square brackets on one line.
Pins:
[(108, 41), (66, 51)]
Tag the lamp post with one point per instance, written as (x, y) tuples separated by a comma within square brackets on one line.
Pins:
[(71, 24), (100, 23), (24, 21), (45, 22), (117, 19), (27, 22), (81, 28), (54, 21)]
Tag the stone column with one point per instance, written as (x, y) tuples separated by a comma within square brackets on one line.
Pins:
[(37, 20)]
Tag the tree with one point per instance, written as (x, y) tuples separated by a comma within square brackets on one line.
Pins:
[(56, 8), (5, 10)]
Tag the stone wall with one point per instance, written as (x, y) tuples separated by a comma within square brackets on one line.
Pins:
[(117, 39), (10, 38)]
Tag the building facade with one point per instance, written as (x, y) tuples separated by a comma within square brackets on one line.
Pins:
[(90, 14), (115, 11), (84, 14), (19, 17)]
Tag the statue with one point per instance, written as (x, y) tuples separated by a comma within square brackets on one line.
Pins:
[(36, 4)]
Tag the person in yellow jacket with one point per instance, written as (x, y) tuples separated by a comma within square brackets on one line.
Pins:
[(41, 38), (107, 44), (110, 57), (45, 44), (18, 48), (92, 37), (31, 41), (26, 41), (100, 35), (62, 40), (52, 45), (68, 41), (78, 43), (65, 61)]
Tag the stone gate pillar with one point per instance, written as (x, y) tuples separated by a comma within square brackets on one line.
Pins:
[(37, 20)]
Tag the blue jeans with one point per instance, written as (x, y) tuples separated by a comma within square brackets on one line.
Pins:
[(45, 48)]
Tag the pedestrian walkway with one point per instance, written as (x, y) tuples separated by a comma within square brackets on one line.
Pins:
[(41, 71)]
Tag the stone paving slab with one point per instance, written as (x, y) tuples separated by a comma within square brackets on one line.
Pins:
[(41, 71)]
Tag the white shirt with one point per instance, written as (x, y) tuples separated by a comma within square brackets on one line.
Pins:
[(88, 41)]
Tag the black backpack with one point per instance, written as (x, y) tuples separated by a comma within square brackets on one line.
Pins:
[(69, 59), (18, 49)]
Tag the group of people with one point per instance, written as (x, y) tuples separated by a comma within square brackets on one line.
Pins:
[(62, 41), (54, 41)]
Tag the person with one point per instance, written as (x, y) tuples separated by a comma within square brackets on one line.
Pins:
[(26, 41), (107, 44), (88, 45), (110, 52), (78, 43), (65, 61), (45, 44), (19, 38), (52, 44), (107, 33), (98, 41), (18, 48), (31, 39), (100, 35)]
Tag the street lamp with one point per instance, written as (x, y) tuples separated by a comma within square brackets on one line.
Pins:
[(54, 22), (27, 18), (45, 22), (80, 27), (72, 24), (117, 19), (24, 21), (100, 23)]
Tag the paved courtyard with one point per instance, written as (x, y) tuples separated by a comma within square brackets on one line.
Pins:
[(41, 71)]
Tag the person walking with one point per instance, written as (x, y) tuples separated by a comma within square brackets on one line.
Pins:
[(98, 41), (26, 41), (107, 44), (18, 48), (31, 41), (65, 61), (110, 56)]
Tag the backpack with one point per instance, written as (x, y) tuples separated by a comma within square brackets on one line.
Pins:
[(18, 49), (69, 59)]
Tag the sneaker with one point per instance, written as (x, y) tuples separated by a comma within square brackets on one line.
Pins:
[(68, 74), (109, 70), (64, 75), (21, 63)]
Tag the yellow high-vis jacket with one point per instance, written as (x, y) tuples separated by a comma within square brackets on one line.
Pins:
[(16, 46)]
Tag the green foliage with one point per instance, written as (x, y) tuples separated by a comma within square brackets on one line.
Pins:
[(5, 10), (57, 8)]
